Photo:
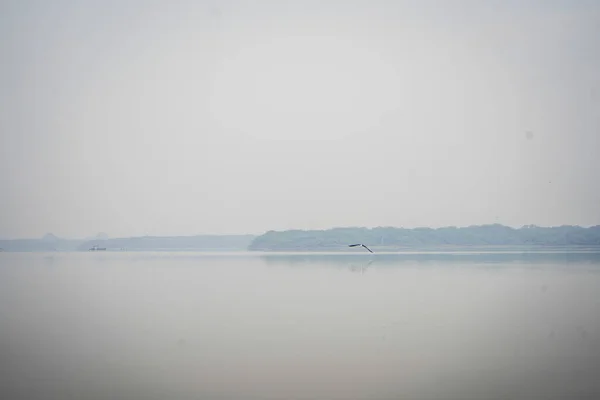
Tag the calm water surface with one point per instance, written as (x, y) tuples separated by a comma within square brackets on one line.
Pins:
[(284, 326)]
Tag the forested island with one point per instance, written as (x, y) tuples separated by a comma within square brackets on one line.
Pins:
[(391, 239)]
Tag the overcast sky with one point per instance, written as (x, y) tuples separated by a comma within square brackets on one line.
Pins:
[(186, 117)]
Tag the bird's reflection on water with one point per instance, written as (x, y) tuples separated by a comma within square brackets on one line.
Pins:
[(360, 268)]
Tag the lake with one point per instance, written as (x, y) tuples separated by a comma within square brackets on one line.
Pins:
[(141, 325)]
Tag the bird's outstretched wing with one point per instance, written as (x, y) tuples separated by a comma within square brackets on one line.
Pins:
[(367, 248)]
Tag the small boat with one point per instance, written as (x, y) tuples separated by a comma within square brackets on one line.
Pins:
[(96, 248)]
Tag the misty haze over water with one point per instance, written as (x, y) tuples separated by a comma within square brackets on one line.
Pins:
[(231, 125), (299, 326)]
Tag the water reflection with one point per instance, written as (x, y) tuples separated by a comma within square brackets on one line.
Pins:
[(310, 326), (552, 259)]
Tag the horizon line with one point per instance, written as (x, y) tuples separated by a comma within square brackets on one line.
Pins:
[(309, 230)]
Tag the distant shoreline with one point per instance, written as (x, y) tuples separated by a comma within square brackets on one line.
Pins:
[(341, 251), (493, 237)]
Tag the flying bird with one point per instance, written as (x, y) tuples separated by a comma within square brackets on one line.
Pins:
[(360, 244)]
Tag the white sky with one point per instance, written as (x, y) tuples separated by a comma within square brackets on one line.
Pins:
[(186, 117)]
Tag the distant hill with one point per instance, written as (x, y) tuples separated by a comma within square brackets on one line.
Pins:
[(390, 239), (50, 237), (99, 236)]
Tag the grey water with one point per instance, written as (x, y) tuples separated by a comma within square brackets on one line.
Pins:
[(300, 326)]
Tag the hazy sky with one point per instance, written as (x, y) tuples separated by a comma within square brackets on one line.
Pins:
[(185, 117)]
